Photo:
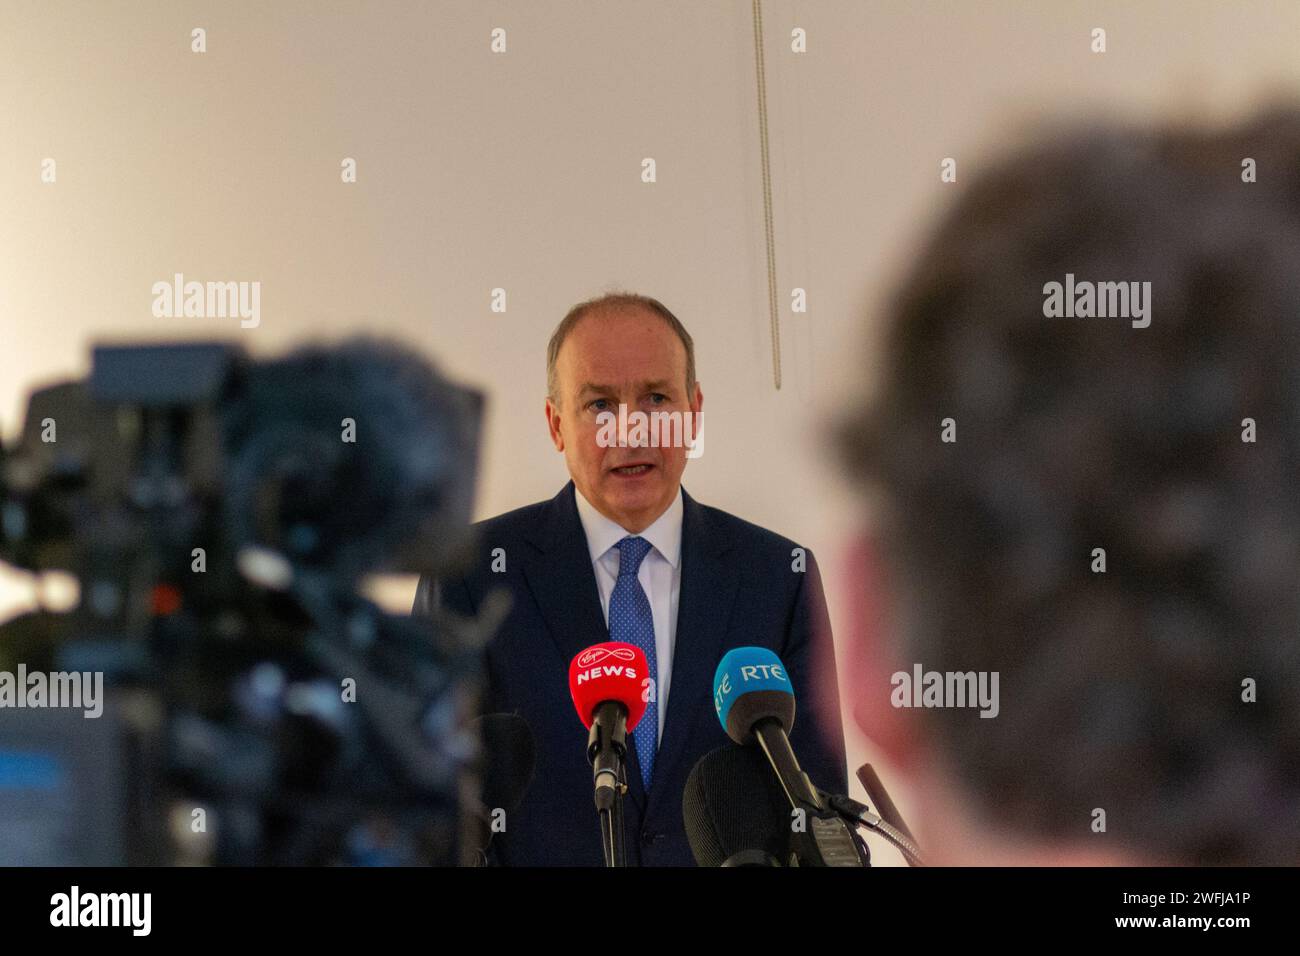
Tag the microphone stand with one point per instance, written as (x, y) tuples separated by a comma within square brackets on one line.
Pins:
[(607, 750), (611, 825), (888, 823), (877, 794)]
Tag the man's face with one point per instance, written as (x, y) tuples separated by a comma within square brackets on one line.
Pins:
[(613, 357)]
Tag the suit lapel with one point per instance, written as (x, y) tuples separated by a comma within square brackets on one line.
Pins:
[(561, 578), (563, 583), (708, 590)]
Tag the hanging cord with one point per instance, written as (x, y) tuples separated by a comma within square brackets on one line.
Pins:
[(767, 194)]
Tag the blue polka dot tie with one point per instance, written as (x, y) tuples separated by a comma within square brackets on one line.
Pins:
[(630, 621)]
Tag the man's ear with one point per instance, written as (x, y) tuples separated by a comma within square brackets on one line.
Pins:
[(553, 424), (697, 400), (874, 656)]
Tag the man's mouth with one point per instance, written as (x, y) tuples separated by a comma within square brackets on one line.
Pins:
[(632, 470)]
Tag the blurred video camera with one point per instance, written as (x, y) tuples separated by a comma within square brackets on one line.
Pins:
[(221, 516)]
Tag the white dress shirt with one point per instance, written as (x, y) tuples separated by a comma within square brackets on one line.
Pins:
[(660, 575)]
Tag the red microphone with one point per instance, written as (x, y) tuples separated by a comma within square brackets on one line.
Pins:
[(609, 672), (609, 686)]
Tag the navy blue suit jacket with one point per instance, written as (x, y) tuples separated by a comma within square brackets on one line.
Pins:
[(737, 589)]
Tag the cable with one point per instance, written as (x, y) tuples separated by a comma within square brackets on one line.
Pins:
[(769, 231)]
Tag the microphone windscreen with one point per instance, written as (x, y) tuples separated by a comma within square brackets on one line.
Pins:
[(733, 803), (508, 759), (750, 684), (610, 671)]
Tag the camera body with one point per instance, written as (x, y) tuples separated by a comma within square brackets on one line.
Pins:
[(220, 515)]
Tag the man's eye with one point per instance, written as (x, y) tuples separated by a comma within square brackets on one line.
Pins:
[(659, 398), (598, 404)]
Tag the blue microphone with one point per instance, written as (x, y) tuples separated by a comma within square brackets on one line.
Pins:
[(754, 699)]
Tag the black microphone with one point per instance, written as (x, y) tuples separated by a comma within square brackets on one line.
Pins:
[(507, 759), (735, 813)]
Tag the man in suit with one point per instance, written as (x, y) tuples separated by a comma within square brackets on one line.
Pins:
[(624, 553)]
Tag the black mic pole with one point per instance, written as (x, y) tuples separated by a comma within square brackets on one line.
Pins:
[(828, 841), (617, 844), (798, 788), (606, 749)]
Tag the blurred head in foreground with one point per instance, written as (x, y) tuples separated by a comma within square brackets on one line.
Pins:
[(1103, 511)]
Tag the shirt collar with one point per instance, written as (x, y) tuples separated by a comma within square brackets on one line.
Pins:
[(664, 535)]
